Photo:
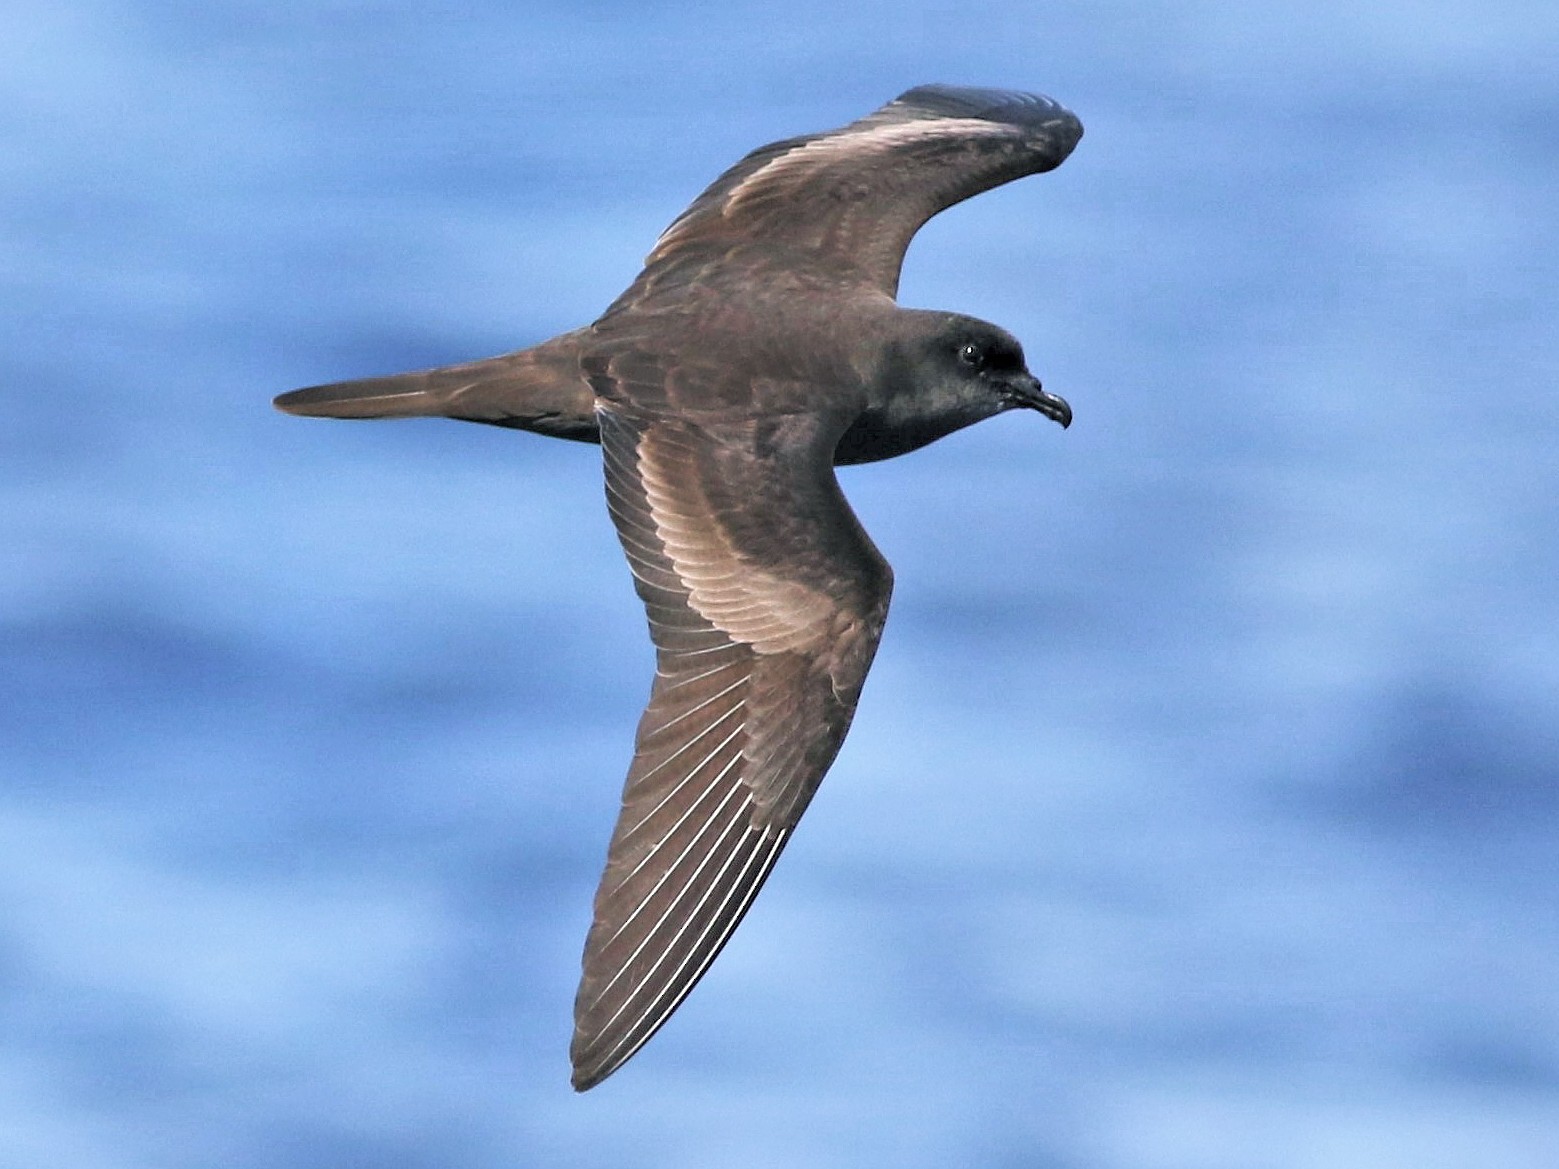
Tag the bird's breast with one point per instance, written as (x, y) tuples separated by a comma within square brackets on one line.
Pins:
[(877, 435)]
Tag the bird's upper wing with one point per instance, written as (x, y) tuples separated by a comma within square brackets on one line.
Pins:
[(765, 600), (849, 200)]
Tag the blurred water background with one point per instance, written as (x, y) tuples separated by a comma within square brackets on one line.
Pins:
[(1203, 806)]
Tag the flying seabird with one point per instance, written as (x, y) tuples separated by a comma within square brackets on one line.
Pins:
[(760, 347)]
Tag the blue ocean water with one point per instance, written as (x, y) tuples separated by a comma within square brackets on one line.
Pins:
[(1203, 804)]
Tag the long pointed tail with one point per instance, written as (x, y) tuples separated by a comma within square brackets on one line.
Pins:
[(540, 389)]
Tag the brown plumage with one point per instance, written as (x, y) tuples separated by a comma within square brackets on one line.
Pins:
[(759, 347)]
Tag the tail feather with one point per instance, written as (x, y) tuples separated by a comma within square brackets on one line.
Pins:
[(539, 389), (407, 395)]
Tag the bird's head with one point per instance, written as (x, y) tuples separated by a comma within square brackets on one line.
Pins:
[(939, 373), (983, 364)]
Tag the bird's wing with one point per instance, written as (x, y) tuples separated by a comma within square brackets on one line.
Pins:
[(765, 600), (849, 200)]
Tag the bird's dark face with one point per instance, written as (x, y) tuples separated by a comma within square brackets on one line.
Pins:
[(986, 363), (941, 373)]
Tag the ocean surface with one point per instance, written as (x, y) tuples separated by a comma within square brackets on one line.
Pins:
[(1202, 811)]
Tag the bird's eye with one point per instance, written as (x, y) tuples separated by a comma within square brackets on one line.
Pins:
[(971, 355)]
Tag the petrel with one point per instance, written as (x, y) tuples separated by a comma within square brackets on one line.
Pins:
[(760, 347)]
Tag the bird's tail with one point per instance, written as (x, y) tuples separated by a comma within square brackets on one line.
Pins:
[(539, 389)]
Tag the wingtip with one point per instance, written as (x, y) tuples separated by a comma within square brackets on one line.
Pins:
[(981, 101), (586, 1068), (1032, 110), (591, 1063)]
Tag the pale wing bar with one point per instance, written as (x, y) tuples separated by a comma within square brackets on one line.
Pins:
[(851, 199), (730, 748)]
